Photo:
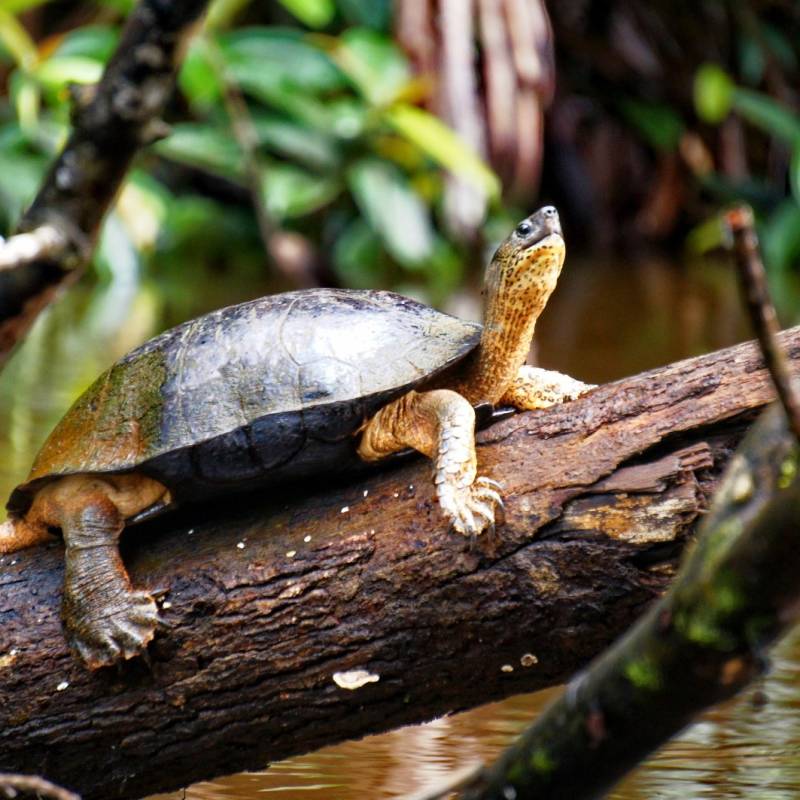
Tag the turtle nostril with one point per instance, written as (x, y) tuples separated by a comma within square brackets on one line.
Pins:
[(549, 211)]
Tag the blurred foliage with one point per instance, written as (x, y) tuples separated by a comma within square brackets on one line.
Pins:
[(308, 104), (716, 97)]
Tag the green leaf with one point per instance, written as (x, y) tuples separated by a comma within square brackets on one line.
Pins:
[(768, 114), (444, 146), (266, 59), (17, 41), (314, 13), (660, 125), (794, 174), (298, 142), (20, 176), (26, 99), (374, 64), (198, 78), (713, 93), (289, 191), (375, 14), (58, 71), (780, 237), (393, 210), (92, 41), (17, 6), (356, 255), (204, 146)]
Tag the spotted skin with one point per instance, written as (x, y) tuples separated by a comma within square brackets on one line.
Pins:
[(519, 281)]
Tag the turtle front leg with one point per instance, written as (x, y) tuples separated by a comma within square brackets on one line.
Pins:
[(441, 425), (539, 388), (106, 619)]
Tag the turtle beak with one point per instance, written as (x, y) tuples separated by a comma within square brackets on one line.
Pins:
[(545, 222)]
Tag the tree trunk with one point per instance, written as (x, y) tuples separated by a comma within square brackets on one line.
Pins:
[(330, 614)]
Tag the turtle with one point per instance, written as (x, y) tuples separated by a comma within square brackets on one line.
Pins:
[(279, 389)]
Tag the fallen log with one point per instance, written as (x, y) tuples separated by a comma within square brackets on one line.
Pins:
[(332, 612)]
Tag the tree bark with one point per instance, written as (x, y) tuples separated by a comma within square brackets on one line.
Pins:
[(112, 121), (330, 613)]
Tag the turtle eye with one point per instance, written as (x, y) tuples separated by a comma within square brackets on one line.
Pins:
[(524, 229)]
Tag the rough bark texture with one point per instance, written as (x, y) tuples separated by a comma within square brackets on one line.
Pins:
[(111, 122), (703, 642), (267, 600)]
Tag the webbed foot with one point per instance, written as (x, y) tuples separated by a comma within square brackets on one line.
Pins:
[(471, 508), (120, 629)]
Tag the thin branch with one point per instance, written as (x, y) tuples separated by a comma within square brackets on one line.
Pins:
[(45, 243), (111, 123), (762, 312), (11, 784)]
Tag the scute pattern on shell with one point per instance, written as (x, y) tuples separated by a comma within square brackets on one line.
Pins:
[(233, 394)]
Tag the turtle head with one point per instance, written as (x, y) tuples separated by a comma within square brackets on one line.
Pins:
[(526, 266)]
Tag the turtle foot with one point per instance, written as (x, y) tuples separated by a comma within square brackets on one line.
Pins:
[(471, 509), (122, 631)]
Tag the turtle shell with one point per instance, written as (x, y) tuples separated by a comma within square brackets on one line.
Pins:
[(260, 392)]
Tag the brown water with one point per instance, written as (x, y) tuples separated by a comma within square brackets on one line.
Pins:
[(602, 323)]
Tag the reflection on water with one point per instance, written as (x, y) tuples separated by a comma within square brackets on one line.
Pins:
[(602, 323)]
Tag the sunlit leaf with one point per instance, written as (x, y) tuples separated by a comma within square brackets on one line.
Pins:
[(373, 62), (203, 146), (16, 40), (396, 214), (26, 99), (314, 13), (768, 114), (198, 78), (705, 237), (123, 6), (713, 93), (16, 6), (59, 71), (221, 13), (444, 146), (92, 41), (289, 191)]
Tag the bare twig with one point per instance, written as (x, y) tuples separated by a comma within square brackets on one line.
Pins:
[(739, 221), (11, 785)]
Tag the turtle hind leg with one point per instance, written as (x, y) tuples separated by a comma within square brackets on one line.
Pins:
[(441, 424), (16, 534), (106, 619)]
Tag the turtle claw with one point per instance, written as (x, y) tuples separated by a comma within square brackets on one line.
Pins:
[(471, 509), (122, 632)]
